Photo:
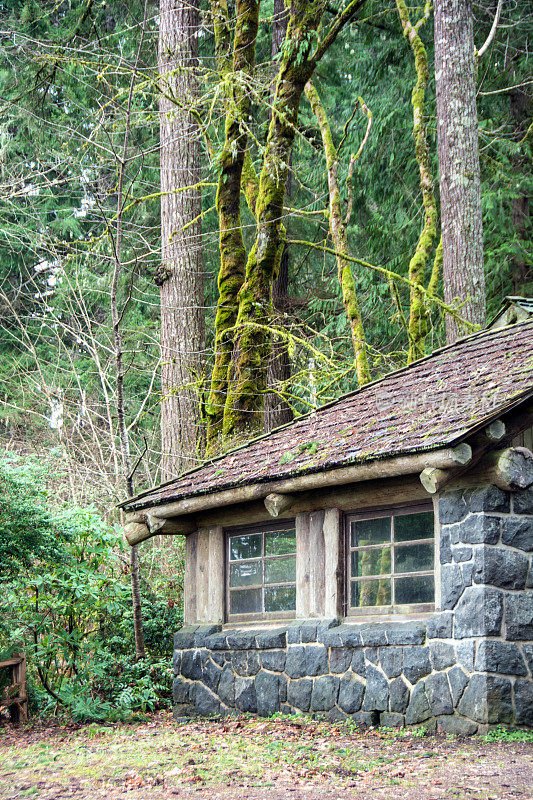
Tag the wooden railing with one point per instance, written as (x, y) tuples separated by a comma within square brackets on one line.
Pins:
[(14, 697)]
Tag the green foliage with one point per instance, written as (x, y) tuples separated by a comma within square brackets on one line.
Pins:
[(68, 605), (502, 734)]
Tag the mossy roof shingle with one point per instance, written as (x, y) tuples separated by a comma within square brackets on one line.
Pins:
[(432, 403)]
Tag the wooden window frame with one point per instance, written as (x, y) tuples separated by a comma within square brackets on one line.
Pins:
[(380, 513), (243, 530)]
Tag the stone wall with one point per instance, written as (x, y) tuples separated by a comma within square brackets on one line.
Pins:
[(469, 665)]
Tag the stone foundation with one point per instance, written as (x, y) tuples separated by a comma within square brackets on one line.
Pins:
[(468, 666)]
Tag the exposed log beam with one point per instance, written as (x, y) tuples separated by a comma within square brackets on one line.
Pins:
[(510, 469), (432, 478), (139, 531), (445, 458), (276, 503)]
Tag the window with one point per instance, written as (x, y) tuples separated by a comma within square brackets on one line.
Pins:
[(261, 569), (391, 561)]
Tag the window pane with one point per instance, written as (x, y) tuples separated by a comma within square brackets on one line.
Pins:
[(414, 558), (280, 598), (249, 573), (371, 531), (414, 590), (245, 601), (371, 562), (413, 526), (249, 546), (280, 570), (371, 593), (280, 543)]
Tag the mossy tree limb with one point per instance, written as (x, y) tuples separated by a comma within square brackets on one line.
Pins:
[(228, 202), (418, 316), (338, 229)]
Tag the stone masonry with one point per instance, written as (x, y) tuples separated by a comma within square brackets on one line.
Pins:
[(465, 667)]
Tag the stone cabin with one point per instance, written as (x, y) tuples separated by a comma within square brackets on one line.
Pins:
[(372, 559)]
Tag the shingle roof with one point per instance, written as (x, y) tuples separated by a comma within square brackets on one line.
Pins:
[(432, 403)]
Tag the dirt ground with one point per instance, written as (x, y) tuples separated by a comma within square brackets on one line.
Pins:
[(255, 759)]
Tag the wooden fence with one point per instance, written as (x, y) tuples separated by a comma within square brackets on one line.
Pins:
[(14, 696)]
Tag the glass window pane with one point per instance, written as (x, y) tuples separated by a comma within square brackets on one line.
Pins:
[(280, 598), (248, 573), (371, 562), (413, 526), (371, 593), (414, 590), (248, 546), (280, 570), (414, 558), (280, 543), (371, 531), (245, 601)]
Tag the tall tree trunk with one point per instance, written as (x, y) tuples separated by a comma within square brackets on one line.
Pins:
[(277, 410), (180, 275), (520, 107), (228, 201), (458, 150)]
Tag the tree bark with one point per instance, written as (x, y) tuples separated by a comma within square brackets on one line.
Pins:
[(458, 151), (180, 275)]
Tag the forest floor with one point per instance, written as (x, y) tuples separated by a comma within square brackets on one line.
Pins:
[(255, 759)]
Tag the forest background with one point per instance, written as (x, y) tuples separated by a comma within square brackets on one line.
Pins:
[(111, 363)]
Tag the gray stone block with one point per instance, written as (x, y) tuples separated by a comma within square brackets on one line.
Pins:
[(267, 693), (315, 660), (445, 551), (418, 709), (211, 675), (218, 641), (518, 532), (391, 660), (523, 698), (239, 662), (205, 703), (339, 659), (271, 639), (478, 613), (451, 585), (241, 640), (273, 660), (293, 633), (245, 695), (438, 694), (388, 719), (440, 626), (191, 665), (176, 662), (487, 699), (374, 635), (204, 633), (330, 638), (458, 682), (377, 690), (184, 638), (467, 571), (399, 695), (282, 688), (519, 616), (457, 726), (371, 655), (452, 508), (299, 693), (527, 649), (453, 530), (407, 633), (487, 498), (462, 553), (295, 661), (441, 655), (180, 691), (308, 631), (479, 529), (365, 718), (416, 663), (466, 650), (252, 663), (495, 566), (226, 686), (496, 656), (351, 693), (336, 715), (324, 694), (358, 662), (218, 658), (523, 502), (350, 636)]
